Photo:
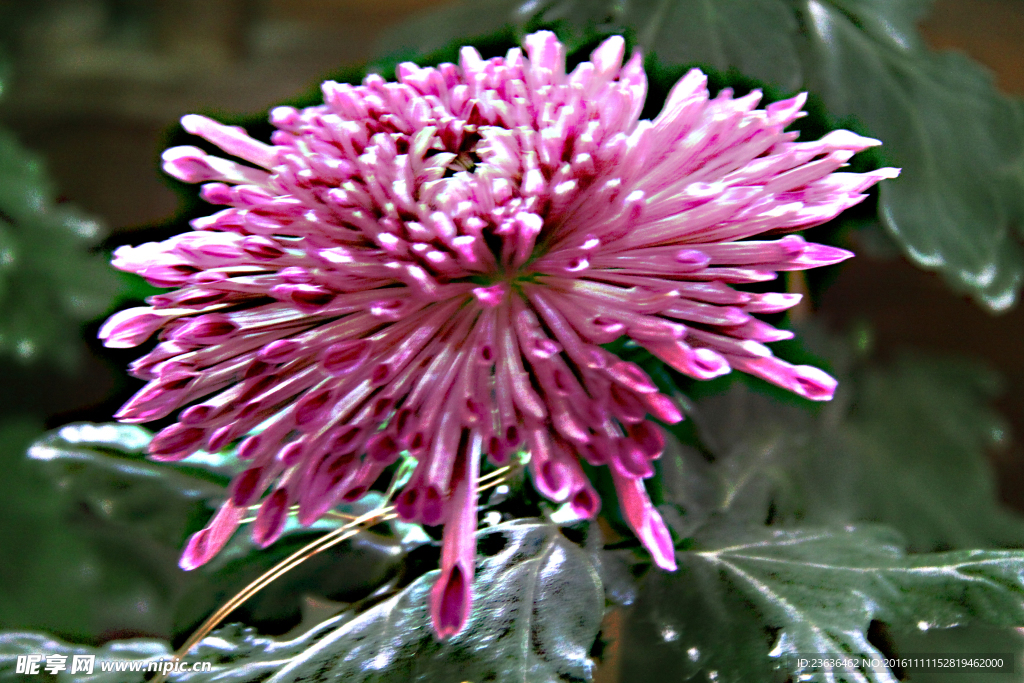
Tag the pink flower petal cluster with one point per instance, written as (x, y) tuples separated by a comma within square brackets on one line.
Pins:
[(432, 265)]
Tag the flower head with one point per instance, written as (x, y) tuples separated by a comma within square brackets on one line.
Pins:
[(432, 266)]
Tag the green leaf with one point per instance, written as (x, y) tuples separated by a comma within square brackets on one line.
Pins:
[(804, 592), (433, 31), (904, 445), (538, 604), (918, 435), (50, 282), (110, 528), (955, 209), (958, 206), (750, 461)]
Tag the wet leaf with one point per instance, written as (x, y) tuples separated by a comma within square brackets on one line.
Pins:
[(116, 522), (807, 591), (538, 604)]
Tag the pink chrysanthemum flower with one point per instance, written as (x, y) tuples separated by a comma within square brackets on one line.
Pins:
[(432, 265)]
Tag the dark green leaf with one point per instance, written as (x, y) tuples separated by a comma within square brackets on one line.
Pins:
[(538, 604), (805, 592), (904, 445), (958, 141), (918, 438), (755, 452), (50, 283), (106, 550), (433, 31)]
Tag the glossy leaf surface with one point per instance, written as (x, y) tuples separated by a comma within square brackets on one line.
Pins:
[(806, 591), (539, 604)]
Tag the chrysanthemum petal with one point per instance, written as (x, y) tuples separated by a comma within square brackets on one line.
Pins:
[(432, 266)]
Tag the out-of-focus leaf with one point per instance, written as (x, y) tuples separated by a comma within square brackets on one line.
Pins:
[(903, 445), (114, 529), (958, 207), (807, 591), (50, 282), (436, 29), (538, 604), (749, 471), (917, 437)]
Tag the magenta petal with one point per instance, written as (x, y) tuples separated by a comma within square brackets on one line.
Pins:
[(450, 598), (699, 363), (231, 139), (271, 518), (585, 502), (645, 521), (205, 329), (345, 357), (176, 442), (130, 327), (773, 302), (450, 601), (279, 351), (633, 377), (243, 487), (663, 408), (383, 448), (490, 296), (262, 248), (807, 381), (632, 460), (221, 437), (292, 453), (649, 437), (188, 164), (155, 400), (307, 298), (431, 506), (407, 504), (607, 57), (311, 406), (207, 542)]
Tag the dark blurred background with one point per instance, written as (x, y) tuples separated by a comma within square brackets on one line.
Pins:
[(95, 85)]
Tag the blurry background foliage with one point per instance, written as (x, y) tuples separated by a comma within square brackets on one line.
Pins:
[(874, 523)]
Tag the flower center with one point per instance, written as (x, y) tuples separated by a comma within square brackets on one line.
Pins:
[(463, 161)]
